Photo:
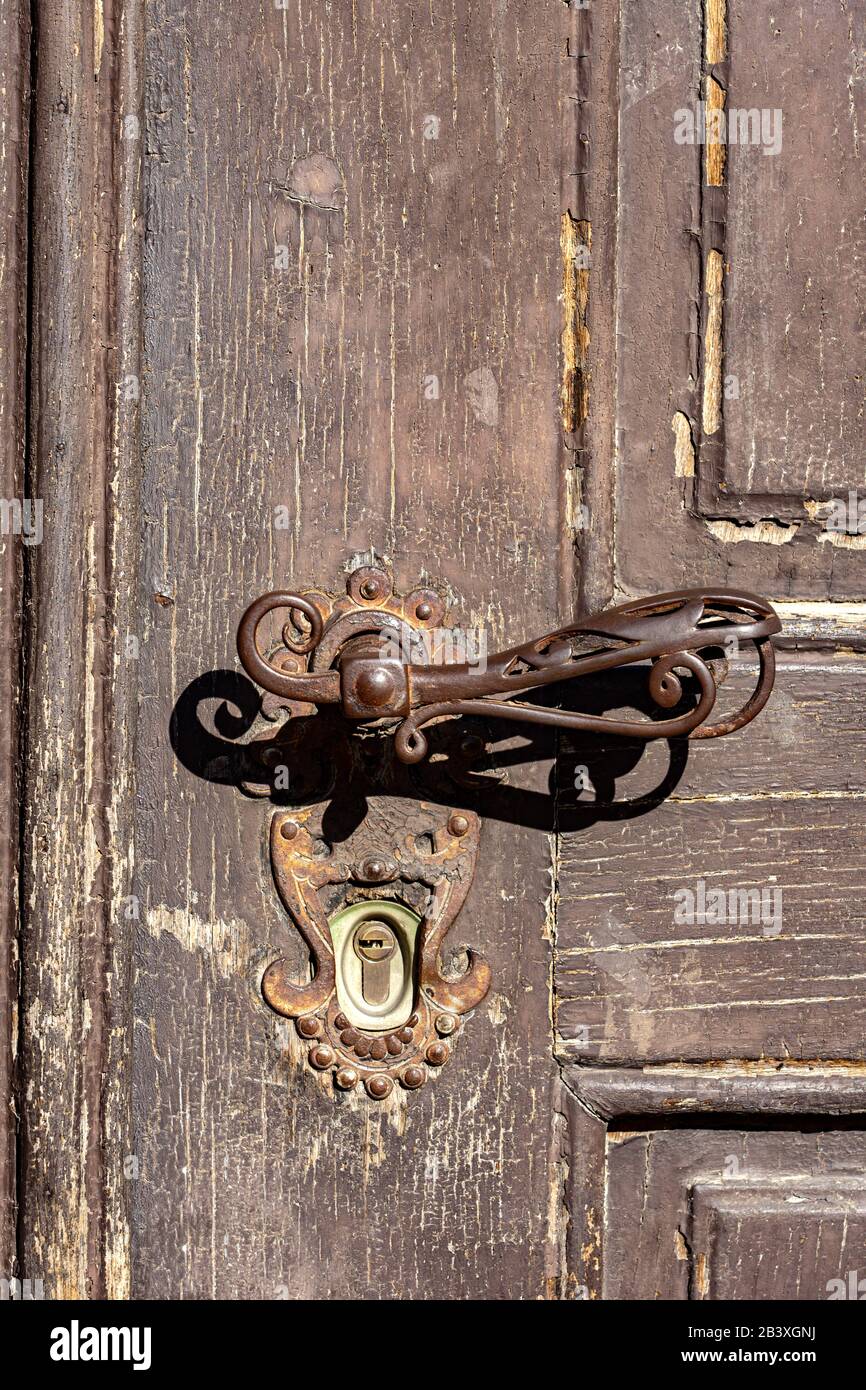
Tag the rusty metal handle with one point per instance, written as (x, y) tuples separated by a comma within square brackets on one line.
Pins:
[(362, 672)]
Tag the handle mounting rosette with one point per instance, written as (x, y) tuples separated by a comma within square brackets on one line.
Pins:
[(344, 653)]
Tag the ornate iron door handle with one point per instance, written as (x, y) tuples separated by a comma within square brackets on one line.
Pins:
[(369, 667), (375, 907)]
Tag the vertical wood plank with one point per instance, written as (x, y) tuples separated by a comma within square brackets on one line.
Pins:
[(14, 137), (78, 791), (352, 311)]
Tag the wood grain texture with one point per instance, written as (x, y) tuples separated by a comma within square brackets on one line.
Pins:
[(732, 1214), (300, 296), (77, 777), (14, 142), (786, 425), (795, 243), (778, 807), (313, 262)]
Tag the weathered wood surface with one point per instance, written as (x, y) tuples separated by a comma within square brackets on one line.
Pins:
[(599, 1108), (732, 1214), (795, 243), (305, 381), (742, 292), (76, 852), (14, 117), (773, 1089), (778, 806)]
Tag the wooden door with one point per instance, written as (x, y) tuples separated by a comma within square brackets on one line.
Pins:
[(289, 290)]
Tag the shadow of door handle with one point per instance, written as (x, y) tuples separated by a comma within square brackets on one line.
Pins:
[(361, 652)]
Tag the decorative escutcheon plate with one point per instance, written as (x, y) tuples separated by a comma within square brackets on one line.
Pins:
[(387, 888)]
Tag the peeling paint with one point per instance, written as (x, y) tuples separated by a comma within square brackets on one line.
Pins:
[(716, 31), (713, 278), (684, 447), (758, 532), (226, 944), (98, 36), (715, 150), (843, 540), (576, 245)]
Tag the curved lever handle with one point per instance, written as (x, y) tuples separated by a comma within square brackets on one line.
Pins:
[(369, 674)]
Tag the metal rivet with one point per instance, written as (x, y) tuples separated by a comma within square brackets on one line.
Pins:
[(349, 1037), (309, 1027), (288, 830), (375, 687), (369, 588), (458, 825), (438, 1054), (423, 611), (393, 1044), (375, 870), (379, 1086), (346, 1078), (379, 1049), (321, 1056), (362, 1047), (405, 1035), (341, 1022), (413, 1077), (446, 1024)]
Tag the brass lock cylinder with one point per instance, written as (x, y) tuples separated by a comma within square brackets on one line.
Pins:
[(375, 944)]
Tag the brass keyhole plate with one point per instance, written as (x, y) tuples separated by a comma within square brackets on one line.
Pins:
[(425, 851), (374, 953)]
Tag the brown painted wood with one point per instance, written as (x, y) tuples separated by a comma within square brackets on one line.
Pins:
[(741, 503), (633, 1233), (14, 145), (304, 387), (798, 237), (311, 286), (712, 282), (700, 1214), (78, 776), (772, 1089), (778, 807)]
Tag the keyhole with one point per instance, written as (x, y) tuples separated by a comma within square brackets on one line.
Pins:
[(374, 945)]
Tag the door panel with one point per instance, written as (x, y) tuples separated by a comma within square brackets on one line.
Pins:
[(740, 386), (733, 1215), (309, 287), (777, 812), (715, 1182), (343, 327)]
